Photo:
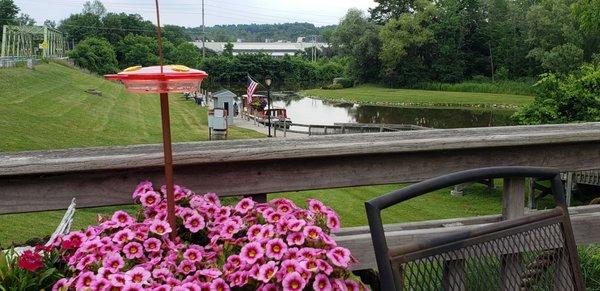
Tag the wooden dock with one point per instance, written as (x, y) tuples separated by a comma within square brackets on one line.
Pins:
[(337, 128)]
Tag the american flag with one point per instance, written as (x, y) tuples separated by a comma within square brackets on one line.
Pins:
[(252, 85)]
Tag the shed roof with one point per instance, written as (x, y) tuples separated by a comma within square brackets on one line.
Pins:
[(224, 94)]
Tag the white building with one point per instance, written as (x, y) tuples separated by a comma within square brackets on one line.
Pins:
[(276, 49)]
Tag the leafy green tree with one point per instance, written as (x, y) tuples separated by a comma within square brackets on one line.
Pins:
[(134, 50), (81, 26), (25, 19), (8, 12), (358, 38), (228, 50), (94, 7), (50, 23), (351, 28), (554, 36), (562, 99), (115, 26), (175, 34), (404, 44), (96, 55), (390, 9), (186, 54)]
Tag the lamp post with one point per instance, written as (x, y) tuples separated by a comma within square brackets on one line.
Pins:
[(268, 83)]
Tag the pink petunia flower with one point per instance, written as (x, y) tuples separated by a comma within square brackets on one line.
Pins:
[(333, 221), (293, 281), (123, 236), (324, 267), (219, 285), (194, 255), (238, 279), (100, 284), (142, 188), (85, 280), (132, 287), (139, 275), (244, 205), (352, 285), (133, 250), (312, 232), (251, 252), (161, 274), (276, 248), (152, 245), (267, 231), (186, 267), (267, 271), (254, 231), (316, 206), (339, 256), (295, 238), (60, 285), (194, 223), (267, 287), (113, 262), (212, 198), (150, 199), (211, 273), (160, 227), (322, 283), (122, 219)]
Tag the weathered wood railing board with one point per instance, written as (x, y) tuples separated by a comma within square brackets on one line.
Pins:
[(585, 221), (105, 176)]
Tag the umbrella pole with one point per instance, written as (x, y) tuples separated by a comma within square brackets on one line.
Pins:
[(168, 153)]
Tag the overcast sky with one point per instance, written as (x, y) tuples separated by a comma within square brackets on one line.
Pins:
[(189, 12)]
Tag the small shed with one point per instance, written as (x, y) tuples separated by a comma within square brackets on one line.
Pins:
[(225, 99)]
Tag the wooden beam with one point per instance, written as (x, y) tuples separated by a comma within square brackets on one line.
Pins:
[(106, 176)]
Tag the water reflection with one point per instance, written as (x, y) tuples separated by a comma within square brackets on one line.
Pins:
[(313, 111)]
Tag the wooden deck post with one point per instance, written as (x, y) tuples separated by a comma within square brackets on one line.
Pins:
[(513, 206)]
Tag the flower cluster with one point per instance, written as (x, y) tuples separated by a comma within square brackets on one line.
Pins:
[(262, 246)]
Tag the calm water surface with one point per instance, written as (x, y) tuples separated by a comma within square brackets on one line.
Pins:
[(314, 111)]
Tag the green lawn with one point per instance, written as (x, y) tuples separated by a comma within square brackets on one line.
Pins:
[(348, 202), (47, 108), (372, 94)]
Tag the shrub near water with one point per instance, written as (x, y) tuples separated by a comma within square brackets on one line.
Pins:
[(250, 246)]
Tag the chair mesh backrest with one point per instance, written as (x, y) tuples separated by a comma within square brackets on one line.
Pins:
[(535, 252), (534, 259)]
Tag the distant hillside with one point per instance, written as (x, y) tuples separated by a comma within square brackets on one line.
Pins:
[(47, 108), (261, 32)]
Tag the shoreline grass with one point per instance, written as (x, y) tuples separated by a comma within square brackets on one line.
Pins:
[(524, 87), (47, 108), (378, 95)]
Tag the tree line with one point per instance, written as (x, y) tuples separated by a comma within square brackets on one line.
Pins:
[(407, 42)]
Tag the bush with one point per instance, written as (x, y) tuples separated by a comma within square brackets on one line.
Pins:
[(96, 55), (345, 82), (563, 99)]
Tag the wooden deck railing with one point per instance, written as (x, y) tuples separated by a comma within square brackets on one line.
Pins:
[(46, 180)]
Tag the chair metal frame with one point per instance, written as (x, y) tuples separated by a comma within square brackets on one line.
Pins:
[(389, 276)]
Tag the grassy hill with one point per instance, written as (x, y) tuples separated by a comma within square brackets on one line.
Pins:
[(47, 108), (374, 94)]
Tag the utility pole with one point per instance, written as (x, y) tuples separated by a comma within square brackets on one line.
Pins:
[(203, 33)]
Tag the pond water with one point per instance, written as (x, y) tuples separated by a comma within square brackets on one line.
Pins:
[(314, 111)]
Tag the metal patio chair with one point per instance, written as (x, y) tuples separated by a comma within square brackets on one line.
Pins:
[(534, 252)]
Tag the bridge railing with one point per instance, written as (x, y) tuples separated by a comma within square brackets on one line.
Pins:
[(47, 180)]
